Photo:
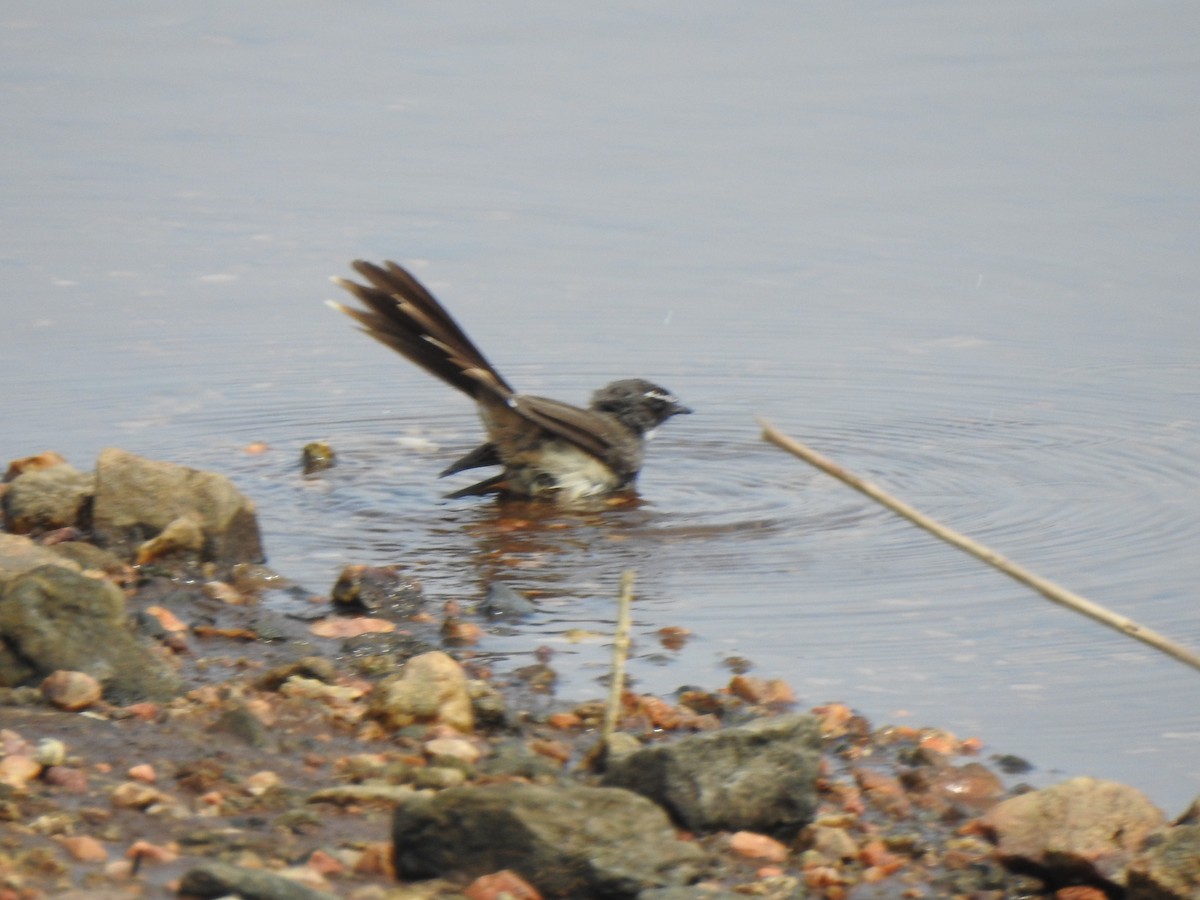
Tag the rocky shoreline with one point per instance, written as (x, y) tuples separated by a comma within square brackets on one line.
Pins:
[(165, 732)]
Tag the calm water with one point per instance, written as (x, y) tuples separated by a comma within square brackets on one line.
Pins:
[(953, 246)]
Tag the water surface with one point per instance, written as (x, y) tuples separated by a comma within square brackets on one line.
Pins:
[(951, 246)]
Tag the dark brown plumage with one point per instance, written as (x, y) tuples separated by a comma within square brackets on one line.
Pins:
[(547, 448)]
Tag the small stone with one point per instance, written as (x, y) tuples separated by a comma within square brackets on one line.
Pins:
[(225, 593), (132, 795), (50, 752), (761, 691), (376, 859), (18, 771), (68, 778), (261, 782), (325, 865), (438, 778), (432, 689), (71, 691), (884, 791), (311, 689), (458, 748), (457, 633), (1083, 892), (752, 845), (181, 536), (564, 721), (244, 725), (144, 851), (834, 844), (84, 849), (875, 855), (972, 787), (502, 885)]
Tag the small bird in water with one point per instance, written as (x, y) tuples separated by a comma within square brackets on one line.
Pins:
[(546, 448)]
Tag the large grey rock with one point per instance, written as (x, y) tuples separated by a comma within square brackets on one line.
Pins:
[(567, 841), (1081, 830), (138, 499), (1168, 868), (759, 777), (52, 618), (20, 554), (42, 500)]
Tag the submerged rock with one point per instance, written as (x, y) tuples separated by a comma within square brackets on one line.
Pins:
[(378, 589), (504, 602), (316, 457), (137, 500), (52, 618), (759, 777), (567, 841)]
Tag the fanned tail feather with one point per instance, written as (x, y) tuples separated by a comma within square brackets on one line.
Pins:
[(403, 315)]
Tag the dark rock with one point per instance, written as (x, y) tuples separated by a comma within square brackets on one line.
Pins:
[(53, 618), (316, 457), (503, 602), (758, 777), (568, 842), (1168, 868), (488, 705), (243, 725), (1082, 830), (217, 879), (514, 759), (1012, 765), (138, 499), (42, 500), (378, 589)]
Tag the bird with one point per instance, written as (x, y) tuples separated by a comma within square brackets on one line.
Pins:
[(546, 449)]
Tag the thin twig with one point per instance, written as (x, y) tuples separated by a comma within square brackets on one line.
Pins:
[(621, 642), (1046, 588)]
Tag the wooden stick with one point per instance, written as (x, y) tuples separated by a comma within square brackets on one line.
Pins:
[(1046, 588), (616, 690)]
